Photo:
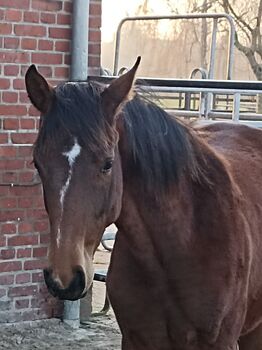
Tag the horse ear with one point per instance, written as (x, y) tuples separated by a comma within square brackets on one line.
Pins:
[(118, 91), (39, 91)]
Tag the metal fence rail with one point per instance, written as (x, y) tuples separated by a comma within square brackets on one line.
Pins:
[(204, 87)]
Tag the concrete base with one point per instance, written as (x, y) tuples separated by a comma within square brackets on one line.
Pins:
[(71, 313)]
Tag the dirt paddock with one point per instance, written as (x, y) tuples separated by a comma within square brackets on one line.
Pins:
[(101, 332)]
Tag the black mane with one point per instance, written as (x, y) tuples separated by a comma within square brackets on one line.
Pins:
[(161, 146)]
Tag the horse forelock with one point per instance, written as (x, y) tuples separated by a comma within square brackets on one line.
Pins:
[(76, 112)]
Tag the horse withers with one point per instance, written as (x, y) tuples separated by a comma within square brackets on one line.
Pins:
[(185, 272)]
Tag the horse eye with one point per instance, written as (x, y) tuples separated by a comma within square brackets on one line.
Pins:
[(107, 166)]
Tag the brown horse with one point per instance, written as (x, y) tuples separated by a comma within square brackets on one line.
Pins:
[(186, 271)]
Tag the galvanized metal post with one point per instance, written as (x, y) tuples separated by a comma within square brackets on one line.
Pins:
[(236, 107), (213, 50), (231, 46), (203, 95), (211, 70), (79, 71), (79, 50)]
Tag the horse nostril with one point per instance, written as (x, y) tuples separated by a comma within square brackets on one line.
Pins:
[(51, 285), (47, 276), (47, 273), (78, 283)]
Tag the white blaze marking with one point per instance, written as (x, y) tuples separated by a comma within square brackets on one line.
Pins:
[(73, 153), (58, 237), (71, 157)]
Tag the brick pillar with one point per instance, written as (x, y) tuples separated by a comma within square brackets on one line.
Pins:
[(39, 32)]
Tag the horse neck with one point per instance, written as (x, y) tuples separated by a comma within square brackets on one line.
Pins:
[(147, 213), (148, 221)]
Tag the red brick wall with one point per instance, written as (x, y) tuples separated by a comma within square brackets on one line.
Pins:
[(31, 31)]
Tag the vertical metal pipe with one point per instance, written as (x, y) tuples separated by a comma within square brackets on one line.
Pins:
[(117, 47), (79, 71), (213, 50), (236, 107), (202, 104), (79, 49), (231, 45), (211, 70)]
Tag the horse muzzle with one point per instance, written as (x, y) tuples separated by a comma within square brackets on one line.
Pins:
[(74, 291)]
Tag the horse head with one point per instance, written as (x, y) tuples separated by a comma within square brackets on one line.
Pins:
[(76, 155)]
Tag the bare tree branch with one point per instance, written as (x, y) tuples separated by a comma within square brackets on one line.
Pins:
[(253, 35), (250, 55), (249, 36), (239, 18)]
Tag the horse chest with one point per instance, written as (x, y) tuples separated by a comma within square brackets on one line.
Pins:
[(143, 313), (165, 296), (146, 307)]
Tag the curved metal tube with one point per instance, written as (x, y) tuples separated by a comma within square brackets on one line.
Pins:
[(214, 16)]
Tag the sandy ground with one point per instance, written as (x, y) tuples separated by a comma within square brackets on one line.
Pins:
[(53, 334), (101, 332)]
